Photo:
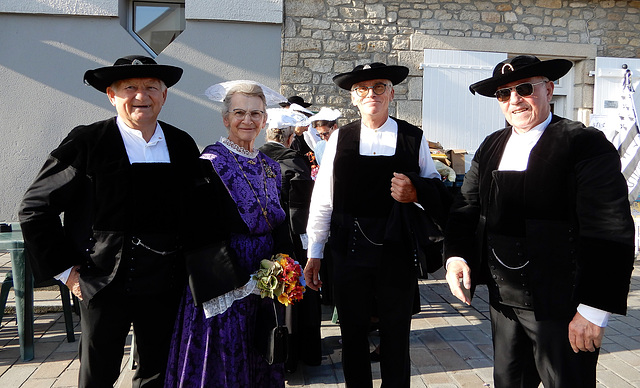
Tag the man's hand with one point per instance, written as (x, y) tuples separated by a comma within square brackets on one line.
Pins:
[(584, 335), (311, 271), (73, 282), (457, 270), (402, 190)]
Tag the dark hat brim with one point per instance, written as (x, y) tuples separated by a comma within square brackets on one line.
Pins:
[(393, 73), (103, 77), (553, 69), (286, 104)]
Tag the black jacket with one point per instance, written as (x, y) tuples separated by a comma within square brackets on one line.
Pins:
[(88, 178), (579, 230)]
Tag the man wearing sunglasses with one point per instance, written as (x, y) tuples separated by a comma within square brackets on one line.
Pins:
[(544, 220), (370, 167)]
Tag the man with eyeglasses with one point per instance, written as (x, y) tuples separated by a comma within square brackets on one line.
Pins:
[(370, 166), (543, 219)]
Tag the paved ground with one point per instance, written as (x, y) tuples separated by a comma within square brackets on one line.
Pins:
[(450, 345)]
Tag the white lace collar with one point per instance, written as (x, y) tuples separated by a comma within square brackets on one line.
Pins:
[(233, 147)]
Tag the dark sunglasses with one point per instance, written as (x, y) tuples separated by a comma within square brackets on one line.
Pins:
[(524, 89)]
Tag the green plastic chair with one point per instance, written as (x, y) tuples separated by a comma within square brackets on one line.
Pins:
[(65, 295)]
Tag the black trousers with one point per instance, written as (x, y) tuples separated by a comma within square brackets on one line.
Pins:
[(393, 287), (527, 352), (145, 292)]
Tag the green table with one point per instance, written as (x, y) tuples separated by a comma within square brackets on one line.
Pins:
[(22, 286)]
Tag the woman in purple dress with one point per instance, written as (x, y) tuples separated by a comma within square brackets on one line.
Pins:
[(213, 346)]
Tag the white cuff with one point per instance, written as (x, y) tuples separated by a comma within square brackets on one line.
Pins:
[(315, 251), (304, 239), (594, 315), (63, 276), (453, 258)]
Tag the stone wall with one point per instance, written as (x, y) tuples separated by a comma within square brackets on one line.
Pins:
[(322, 38)]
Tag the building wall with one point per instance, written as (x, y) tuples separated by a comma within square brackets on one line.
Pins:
[(325, 37), (43, 57)]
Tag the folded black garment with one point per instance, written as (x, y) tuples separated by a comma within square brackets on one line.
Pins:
[(213, 271)]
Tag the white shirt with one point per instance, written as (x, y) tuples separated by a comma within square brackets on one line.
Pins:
[(516, 153), (515, 158), (373, 142), (138, 151), (141, 151)]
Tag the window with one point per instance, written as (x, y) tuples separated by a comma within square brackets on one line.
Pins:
[(154, 24)]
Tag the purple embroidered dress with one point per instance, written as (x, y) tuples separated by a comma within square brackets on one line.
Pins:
[(218, 352)]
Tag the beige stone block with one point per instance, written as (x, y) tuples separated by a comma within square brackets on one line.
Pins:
[(304, 8), (491, 17), (295, 75), (376, 11), (352, 13), (549, 3)]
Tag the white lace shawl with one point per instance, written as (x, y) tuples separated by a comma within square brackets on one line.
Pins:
[(221, 303)]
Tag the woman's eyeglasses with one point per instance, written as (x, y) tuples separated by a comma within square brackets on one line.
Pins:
[(378, 89), (240, 114), (323, 135), (524, 89)]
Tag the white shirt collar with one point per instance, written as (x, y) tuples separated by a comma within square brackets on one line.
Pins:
[(516, 153), (158, 134), (388, 125), (535, 131)]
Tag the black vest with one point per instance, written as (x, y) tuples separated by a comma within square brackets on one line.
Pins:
[(362, 183)]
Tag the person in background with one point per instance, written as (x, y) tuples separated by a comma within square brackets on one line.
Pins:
[(123, 185), (295, 100), (305, 316), (325, 122), (213, 344), (305, 138), (369, 166), (543, 219), (302, 142)]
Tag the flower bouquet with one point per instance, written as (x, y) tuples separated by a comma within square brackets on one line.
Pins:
[(281, 278)]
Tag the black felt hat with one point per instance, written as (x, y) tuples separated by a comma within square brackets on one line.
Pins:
[(520, 67), (295, 100), (376, 70), (132, 66)]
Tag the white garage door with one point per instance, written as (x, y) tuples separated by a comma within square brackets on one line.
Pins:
[(451, 115)]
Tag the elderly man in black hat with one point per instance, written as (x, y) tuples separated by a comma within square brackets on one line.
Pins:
[(370, 167), (121, 184), (543, 219)]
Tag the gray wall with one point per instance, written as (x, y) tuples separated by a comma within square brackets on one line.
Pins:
[(42, 96)]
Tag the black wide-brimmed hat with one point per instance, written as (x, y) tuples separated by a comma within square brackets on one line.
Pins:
[(520, 67), (375, 70), (132, 66), (296, 100)]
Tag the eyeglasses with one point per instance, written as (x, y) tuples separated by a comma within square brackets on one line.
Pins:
[(240, 114), (323, 135), (378, 89), (524, 89)]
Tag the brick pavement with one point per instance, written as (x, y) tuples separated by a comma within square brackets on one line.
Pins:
[(450, 345)]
